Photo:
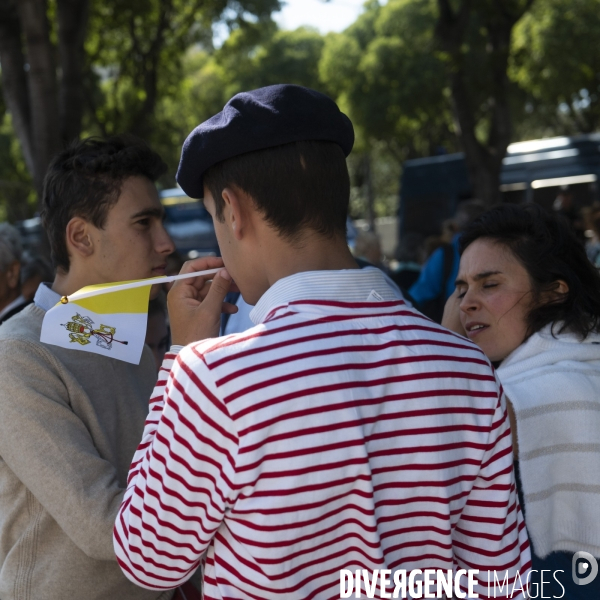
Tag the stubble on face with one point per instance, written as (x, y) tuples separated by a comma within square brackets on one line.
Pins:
[(133, 243)]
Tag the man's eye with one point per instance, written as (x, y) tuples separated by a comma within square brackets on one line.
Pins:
[(143, 222)]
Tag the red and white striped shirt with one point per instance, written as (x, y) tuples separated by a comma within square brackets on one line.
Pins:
[(345, 431)]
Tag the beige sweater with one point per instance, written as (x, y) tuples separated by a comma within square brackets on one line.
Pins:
[(70, 423)]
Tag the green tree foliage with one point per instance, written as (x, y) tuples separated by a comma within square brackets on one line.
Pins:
[(556, 59), (101, 65), (136, 74), (135, 49), (17, 198), (254, 55), (405, 72), (387, 71)]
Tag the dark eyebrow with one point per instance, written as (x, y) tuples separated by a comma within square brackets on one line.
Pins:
[(157, 212), (478, 277)]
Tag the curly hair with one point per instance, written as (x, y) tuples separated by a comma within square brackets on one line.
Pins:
[(549, 250), (85, 180)]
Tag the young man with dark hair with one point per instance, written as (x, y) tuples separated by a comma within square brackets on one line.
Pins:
[(70, 421), (345, 430)]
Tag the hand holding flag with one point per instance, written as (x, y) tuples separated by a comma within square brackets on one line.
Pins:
[(111, 319), (195, 305)]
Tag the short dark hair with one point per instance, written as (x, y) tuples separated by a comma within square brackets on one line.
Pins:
[(85, 181), (296, 186), (546, 246)]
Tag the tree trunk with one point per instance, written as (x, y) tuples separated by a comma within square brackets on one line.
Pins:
[(72, 25), (14, 78), (483, 158), (484, 163), (42, 86), (149, 76)]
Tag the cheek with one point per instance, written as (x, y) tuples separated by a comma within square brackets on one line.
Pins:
[(512, 322), (502, 306)]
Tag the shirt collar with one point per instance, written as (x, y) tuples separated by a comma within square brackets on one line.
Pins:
[(348, 285), (45, 297)]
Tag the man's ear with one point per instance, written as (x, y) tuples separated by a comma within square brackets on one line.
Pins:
[(235, 211), (79, 237)]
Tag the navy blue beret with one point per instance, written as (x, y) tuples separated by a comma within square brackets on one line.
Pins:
[(263, 118)]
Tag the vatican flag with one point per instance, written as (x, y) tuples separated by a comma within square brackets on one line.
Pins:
[(107, 319)]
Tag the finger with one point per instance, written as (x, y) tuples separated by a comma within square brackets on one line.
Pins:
[(203, 287), (229, 309), (201, 264), (219, 288), (189, 287)]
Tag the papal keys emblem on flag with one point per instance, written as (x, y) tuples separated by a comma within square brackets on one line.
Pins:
[(81, 330)]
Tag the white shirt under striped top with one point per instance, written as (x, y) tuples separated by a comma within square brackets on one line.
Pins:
[(344, 431)]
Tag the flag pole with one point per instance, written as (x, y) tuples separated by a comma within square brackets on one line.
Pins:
[(136, 284)]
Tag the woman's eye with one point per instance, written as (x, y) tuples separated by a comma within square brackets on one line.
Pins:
[(490, 285), (462, 294)]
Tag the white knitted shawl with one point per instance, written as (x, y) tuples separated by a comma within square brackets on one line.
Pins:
[(554, 386)]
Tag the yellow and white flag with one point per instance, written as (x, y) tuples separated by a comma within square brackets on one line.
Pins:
[(108, 319)]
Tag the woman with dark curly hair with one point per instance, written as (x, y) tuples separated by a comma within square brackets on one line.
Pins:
[(527, 295)]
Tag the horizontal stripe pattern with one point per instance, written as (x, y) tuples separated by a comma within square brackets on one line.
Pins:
[(336, 435)]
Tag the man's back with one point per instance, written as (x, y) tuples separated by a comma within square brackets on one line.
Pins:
[(70, 424), (337, 434)]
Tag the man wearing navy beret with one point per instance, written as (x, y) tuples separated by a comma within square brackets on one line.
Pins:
[(343, 431)]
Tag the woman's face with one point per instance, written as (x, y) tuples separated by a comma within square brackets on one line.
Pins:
[(496, 296)]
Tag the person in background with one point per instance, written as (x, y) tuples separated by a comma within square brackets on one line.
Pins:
[(564, 205), (157, 330), (528, 296), (344, 430), (408, 265), (368, 248), (71, 420), (436, 280), (34, 270), (12, 300), (592, 246)]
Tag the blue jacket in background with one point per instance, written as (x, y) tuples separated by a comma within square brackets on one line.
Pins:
[(429, 285)]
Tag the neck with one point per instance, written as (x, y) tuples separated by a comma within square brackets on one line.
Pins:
[(67, 283), (312, 252)]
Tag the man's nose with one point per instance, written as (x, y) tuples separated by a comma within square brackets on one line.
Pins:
[(163, 242)]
